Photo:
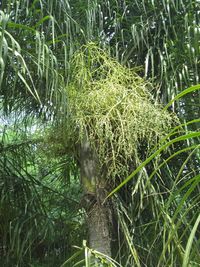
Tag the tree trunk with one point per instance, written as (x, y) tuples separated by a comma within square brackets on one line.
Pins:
[(94, 194), (99, 229)]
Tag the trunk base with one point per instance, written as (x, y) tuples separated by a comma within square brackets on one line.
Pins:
[(99, 232)]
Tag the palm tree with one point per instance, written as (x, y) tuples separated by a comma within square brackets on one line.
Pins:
[(39, 40)]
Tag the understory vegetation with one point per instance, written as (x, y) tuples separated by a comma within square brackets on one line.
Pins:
[(99, 133)]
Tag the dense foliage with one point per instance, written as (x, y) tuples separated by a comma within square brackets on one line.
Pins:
[(55, 84), (113, 105)]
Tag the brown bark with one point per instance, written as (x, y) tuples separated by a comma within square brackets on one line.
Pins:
[(99, 229), (94, 190)]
